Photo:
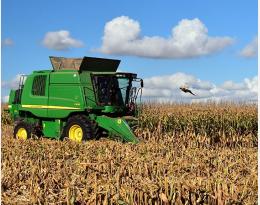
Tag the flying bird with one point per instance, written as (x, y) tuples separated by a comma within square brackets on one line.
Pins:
[(186, 90)]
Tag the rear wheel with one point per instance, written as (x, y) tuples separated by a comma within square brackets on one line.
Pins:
[(22, 130), (78, 128)]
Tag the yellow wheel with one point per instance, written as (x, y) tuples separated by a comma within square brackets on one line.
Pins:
[(22, 130), (21, 134), (78, 129), (75, 133)]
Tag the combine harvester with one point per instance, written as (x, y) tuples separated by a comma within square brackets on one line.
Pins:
[(80, 99)]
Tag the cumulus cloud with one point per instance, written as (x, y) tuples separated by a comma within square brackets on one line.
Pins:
[(60, 40), (252, 84), (251, 49), (7, 42), (166, 89), (188, 39), (230, 85)]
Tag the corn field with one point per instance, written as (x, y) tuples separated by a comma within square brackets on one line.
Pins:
[(188, 154)]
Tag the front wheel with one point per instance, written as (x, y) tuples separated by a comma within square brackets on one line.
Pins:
[(78, 129), (22, 130)]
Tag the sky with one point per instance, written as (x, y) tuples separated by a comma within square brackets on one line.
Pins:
[(208, 46)]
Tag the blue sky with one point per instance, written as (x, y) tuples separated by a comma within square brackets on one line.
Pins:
[(26, 23)]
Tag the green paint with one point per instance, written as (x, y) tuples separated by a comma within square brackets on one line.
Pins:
[(88, 86), (52, 129), (117, 127)]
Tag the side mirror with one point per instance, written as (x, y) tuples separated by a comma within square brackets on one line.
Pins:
[(142, 83)]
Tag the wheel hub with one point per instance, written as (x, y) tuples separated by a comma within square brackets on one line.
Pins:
[(76, 133), (21, 134)]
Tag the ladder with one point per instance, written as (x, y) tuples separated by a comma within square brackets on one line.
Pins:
[(20, 88)]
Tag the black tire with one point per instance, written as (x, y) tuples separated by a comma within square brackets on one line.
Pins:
[(22, 127), (37, 131), (84, 123), (96, 131)]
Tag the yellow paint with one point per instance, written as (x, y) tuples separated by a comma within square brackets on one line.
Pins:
[(75, 133), (21, 134), (50, 107)]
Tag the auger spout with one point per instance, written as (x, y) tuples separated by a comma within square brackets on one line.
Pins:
[(117, 127)]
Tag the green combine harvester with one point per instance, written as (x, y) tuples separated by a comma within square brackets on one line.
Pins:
[(80, 99)]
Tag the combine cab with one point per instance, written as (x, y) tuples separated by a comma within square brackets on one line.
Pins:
[(80, 99)]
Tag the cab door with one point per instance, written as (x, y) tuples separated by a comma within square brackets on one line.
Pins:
[(35, 94)]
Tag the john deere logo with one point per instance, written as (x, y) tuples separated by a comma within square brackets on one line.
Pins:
[(119, 121)]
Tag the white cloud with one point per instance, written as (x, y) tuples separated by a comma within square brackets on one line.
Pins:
[(252, 84), (188, 39), (176, 80), (230, 85), (166, 89), (7, 42), (13, 83), (60, 40), (251, 49)]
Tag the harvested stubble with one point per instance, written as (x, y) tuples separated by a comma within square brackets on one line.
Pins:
[(167, 167)]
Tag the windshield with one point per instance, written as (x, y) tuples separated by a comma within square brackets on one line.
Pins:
[(112, 89)]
